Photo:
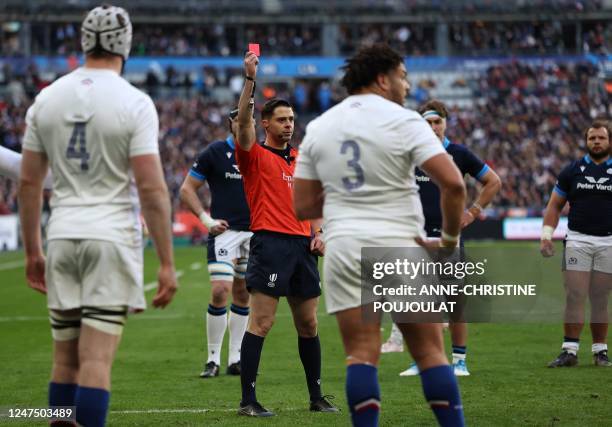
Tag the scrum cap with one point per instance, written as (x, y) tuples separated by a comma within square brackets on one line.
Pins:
[(108, 28)]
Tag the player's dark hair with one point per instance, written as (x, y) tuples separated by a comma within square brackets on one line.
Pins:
[(268, 108), (598, 124), (435, 105), (362, 69), (99, 53)]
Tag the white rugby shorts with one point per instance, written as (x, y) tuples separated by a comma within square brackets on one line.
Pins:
[(94, 273), (584, 252)]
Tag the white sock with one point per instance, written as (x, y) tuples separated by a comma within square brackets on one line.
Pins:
[(215, 329), (457, 357), (238, 319), (571, 347), (597, 347), (396, 335)]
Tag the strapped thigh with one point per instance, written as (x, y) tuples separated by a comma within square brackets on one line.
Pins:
[(64, 327), (108, 319)]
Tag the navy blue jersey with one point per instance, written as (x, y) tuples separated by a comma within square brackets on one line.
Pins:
[(217, 165), (467, 163), (588, 189)]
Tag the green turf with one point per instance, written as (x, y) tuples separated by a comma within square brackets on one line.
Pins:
[(163, 351)]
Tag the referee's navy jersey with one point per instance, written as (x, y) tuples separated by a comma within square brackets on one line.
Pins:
[(587, 186), (467, 163), (217, 165)]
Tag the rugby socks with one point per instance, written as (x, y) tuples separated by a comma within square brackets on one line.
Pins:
[(571, 345), (597, 347), (363, 394), (459, 353), (216, 323), (249, 363), (238, 319), (91, 406), (61, 394), (442, 393), (310, 355)]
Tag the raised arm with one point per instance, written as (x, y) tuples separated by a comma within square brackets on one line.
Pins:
[(447, 177), (246, 124)]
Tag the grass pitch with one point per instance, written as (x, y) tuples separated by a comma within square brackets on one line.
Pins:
[(155, 376)]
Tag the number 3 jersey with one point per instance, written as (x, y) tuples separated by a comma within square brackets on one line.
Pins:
[(364, 151), (90, 123)]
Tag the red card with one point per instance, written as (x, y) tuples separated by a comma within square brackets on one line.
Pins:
[(254, 47)]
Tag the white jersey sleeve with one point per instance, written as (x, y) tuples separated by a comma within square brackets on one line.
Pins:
[(10, 163), (305, 168), (144, 139), (31, 139), (10, 167)]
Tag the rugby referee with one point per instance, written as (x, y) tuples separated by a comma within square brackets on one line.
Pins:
[(283, 258)]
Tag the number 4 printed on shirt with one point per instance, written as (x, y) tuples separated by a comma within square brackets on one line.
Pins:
[(78, 137)]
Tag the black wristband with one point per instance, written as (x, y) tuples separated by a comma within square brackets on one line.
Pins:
[(249, 78)]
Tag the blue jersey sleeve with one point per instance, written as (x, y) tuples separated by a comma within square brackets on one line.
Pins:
[(201, 167), (564, 181), (473, 166)]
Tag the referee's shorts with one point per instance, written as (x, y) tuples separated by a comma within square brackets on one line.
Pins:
[(281, 265)]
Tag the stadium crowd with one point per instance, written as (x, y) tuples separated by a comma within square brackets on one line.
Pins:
[(526, 121), (465, 38)]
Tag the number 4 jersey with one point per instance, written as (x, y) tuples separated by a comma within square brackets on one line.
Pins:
[(90, 123), (364, 151)]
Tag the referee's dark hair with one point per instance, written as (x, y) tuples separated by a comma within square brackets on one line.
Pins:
[(268, 108), (362, 69), (435, 105), (598, 124)]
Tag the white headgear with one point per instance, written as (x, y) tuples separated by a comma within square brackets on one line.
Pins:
[(109, 28)]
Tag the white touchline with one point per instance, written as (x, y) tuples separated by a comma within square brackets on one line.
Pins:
[(185, 411), (153, 285), (12, 265)]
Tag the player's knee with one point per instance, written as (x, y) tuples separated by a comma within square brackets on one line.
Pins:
[(261, 325), (576, 295), (306, 328), (240, 295), (219, 294)]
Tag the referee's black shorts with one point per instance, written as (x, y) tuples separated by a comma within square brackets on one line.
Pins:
[(281, 265)]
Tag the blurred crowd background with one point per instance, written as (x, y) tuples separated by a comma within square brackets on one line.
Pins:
[(524, 118)]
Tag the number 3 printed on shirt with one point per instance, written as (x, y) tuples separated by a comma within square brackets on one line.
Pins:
[(352, 183)]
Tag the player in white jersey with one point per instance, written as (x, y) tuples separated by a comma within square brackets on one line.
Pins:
[(99, 136), (356, 169), (10, 166)]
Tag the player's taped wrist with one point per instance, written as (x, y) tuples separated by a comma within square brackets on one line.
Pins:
[(476, 207), (547, 232), (207, 220), (449, 238)]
